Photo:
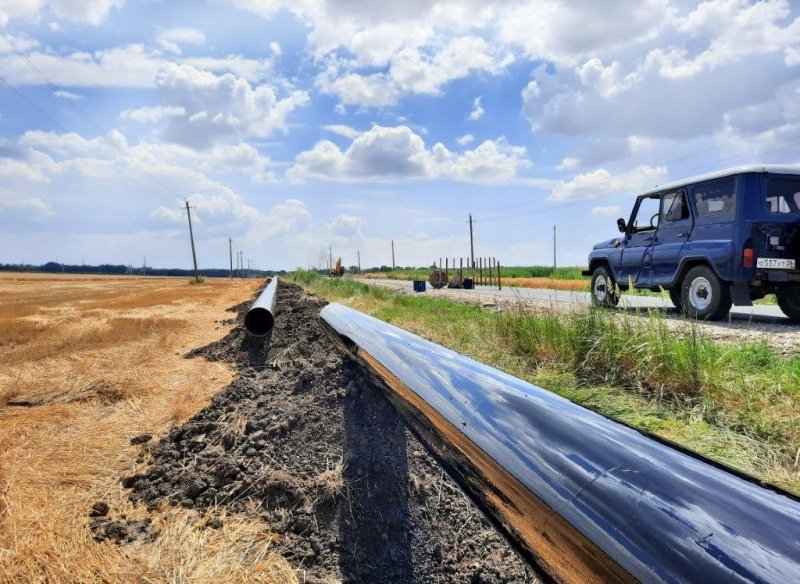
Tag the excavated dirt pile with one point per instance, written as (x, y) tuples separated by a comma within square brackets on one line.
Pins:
[(306, 441)]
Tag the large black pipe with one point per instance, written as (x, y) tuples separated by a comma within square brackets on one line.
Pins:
[(581, 497), (260, 319)]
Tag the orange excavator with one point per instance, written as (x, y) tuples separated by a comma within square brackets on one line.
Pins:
[(338, 270)]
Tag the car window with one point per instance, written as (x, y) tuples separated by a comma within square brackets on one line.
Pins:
[(716, 199), (647, 214), (783, 196), (674, 207)]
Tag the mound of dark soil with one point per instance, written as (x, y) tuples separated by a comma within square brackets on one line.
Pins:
[(304, 439)]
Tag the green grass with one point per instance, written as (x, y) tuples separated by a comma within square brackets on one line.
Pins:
[(565, 273), (738, 404)]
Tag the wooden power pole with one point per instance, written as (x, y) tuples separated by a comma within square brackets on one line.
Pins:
[(359, 260), (230, 252), (191, 238), (554, 247), (471, 243), (393, 255)]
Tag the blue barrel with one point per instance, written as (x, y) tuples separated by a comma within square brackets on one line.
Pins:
[(469, 284), (419, 285)]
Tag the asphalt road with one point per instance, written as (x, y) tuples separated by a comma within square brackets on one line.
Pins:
[(761, 313)]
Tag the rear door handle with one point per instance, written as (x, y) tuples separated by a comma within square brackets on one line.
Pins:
[(648, 239), (683, 235)]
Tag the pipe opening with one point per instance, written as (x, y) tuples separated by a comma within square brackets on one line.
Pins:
[(259, 321)]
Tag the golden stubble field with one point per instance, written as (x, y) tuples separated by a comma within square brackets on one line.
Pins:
[(86, 363)]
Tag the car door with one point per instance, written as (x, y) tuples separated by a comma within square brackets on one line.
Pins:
[(674, 229), (635, 259)]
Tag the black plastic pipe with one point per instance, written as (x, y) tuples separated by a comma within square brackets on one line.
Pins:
[(260, 319), (581, 497)]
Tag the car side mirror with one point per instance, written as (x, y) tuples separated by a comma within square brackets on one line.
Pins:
[(621, 225)]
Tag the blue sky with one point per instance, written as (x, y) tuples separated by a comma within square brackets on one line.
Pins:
[(294, 126)]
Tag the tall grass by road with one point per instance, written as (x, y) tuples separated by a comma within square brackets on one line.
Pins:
[(565, 273), (737, 404)]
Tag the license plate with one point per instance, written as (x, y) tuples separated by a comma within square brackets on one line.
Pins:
[(775, 264)]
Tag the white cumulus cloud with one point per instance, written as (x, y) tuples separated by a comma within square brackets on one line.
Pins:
[(387, 153), (88, 11), (606, 210), (221, 107), (601, 183), (477, 110), (172, 39), (145, 115)]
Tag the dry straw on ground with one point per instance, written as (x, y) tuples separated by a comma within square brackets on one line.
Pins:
[(86, 363)]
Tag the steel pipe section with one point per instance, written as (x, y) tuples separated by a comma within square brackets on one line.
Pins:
[(581, 497), (260, 319)]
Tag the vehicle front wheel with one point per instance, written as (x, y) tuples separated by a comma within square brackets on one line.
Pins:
[(704, 296), (789, 302), (675, 296), (604, 289)]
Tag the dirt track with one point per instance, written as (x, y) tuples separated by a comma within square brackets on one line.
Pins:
[(303, 439)]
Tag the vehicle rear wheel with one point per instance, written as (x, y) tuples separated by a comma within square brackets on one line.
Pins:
[(789, 301), (675, 296), (704, 296), (604, 289)]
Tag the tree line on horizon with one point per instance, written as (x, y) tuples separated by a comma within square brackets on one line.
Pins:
[(122, 269)]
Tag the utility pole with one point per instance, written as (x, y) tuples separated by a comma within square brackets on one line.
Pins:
[(230, 251), (359, 260), (471, 243), (554, 247), (330, 258), (393, 255), (191, 238), (144, 266)]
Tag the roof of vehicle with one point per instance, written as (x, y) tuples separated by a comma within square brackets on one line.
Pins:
[(770, 168)]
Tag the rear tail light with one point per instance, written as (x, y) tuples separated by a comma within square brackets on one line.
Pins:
[(747, 257)]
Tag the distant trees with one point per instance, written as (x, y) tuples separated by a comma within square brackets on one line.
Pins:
[(121, 269)]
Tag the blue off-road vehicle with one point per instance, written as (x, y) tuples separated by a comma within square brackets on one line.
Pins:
[(725, 238)]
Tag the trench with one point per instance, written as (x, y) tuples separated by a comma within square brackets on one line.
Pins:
[(305, 439)]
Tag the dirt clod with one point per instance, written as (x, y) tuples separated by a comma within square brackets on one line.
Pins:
[(305, 440), (141, 439), (125, 531), (99, 509)]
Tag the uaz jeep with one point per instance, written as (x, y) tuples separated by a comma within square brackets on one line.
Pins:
[(719, 239)]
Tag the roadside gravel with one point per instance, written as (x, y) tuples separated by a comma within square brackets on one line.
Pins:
[(784, 337)]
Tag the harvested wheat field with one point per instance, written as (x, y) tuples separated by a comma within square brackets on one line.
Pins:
[(86, 365), (146, 437)]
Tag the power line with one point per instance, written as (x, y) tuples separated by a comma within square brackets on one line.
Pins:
[(34, 105), (669, 162), (775, 147), (65, 96)]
